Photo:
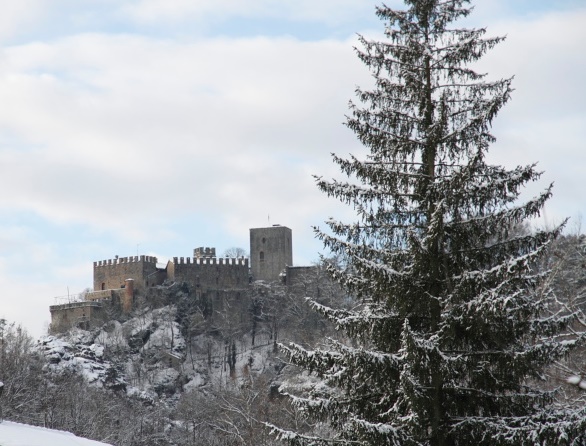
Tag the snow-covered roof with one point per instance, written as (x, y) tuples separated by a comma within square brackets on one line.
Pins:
[(16, 434)]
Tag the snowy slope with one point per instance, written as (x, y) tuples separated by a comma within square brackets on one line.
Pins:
[(15, 434)]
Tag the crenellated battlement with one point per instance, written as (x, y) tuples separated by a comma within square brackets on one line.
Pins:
[(208, 272), (112, 273), (227, 261), (123, 260), (204, 253)]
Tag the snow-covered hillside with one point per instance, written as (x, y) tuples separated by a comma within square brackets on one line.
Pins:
[(15, 434), (176, 368), (148, 357)]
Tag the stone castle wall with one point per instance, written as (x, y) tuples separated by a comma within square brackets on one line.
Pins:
[(84, 315), (210, 273), (111, 274)]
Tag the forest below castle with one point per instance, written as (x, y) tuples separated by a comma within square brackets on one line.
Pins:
[(171, 372)]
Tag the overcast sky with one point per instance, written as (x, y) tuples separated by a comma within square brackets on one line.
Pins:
[(157, 126)]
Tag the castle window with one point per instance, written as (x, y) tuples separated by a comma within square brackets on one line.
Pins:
[(262, 256), (264, 239), (103, 285)]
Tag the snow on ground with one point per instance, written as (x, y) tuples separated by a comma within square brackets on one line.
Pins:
[(15, 434)]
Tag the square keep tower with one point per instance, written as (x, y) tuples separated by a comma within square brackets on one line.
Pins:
[(270, 252)]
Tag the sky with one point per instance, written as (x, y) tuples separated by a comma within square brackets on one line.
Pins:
[(156, 126)]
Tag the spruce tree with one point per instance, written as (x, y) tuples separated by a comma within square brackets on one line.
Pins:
[(454, 323)]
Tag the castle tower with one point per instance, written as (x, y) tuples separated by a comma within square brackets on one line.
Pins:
[(111, 274), (270, 252)]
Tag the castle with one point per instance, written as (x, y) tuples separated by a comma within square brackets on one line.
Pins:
[(118, 280)]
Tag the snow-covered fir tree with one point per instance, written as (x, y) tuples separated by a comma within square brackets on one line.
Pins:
[(453, 324)]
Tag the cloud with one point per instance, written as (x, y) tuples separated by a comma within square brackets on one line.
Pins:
[(129, 124), (125, 125), (542, 121), (325, 11), (21, 15)]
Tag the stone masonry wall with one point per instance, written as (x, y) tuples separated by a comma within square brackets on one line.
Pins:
[(270, 252), (111, 274), (210, 273), (76, 314)]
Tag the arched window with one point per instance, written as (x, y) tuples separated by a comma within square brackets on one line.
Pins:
[(262, 256)]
